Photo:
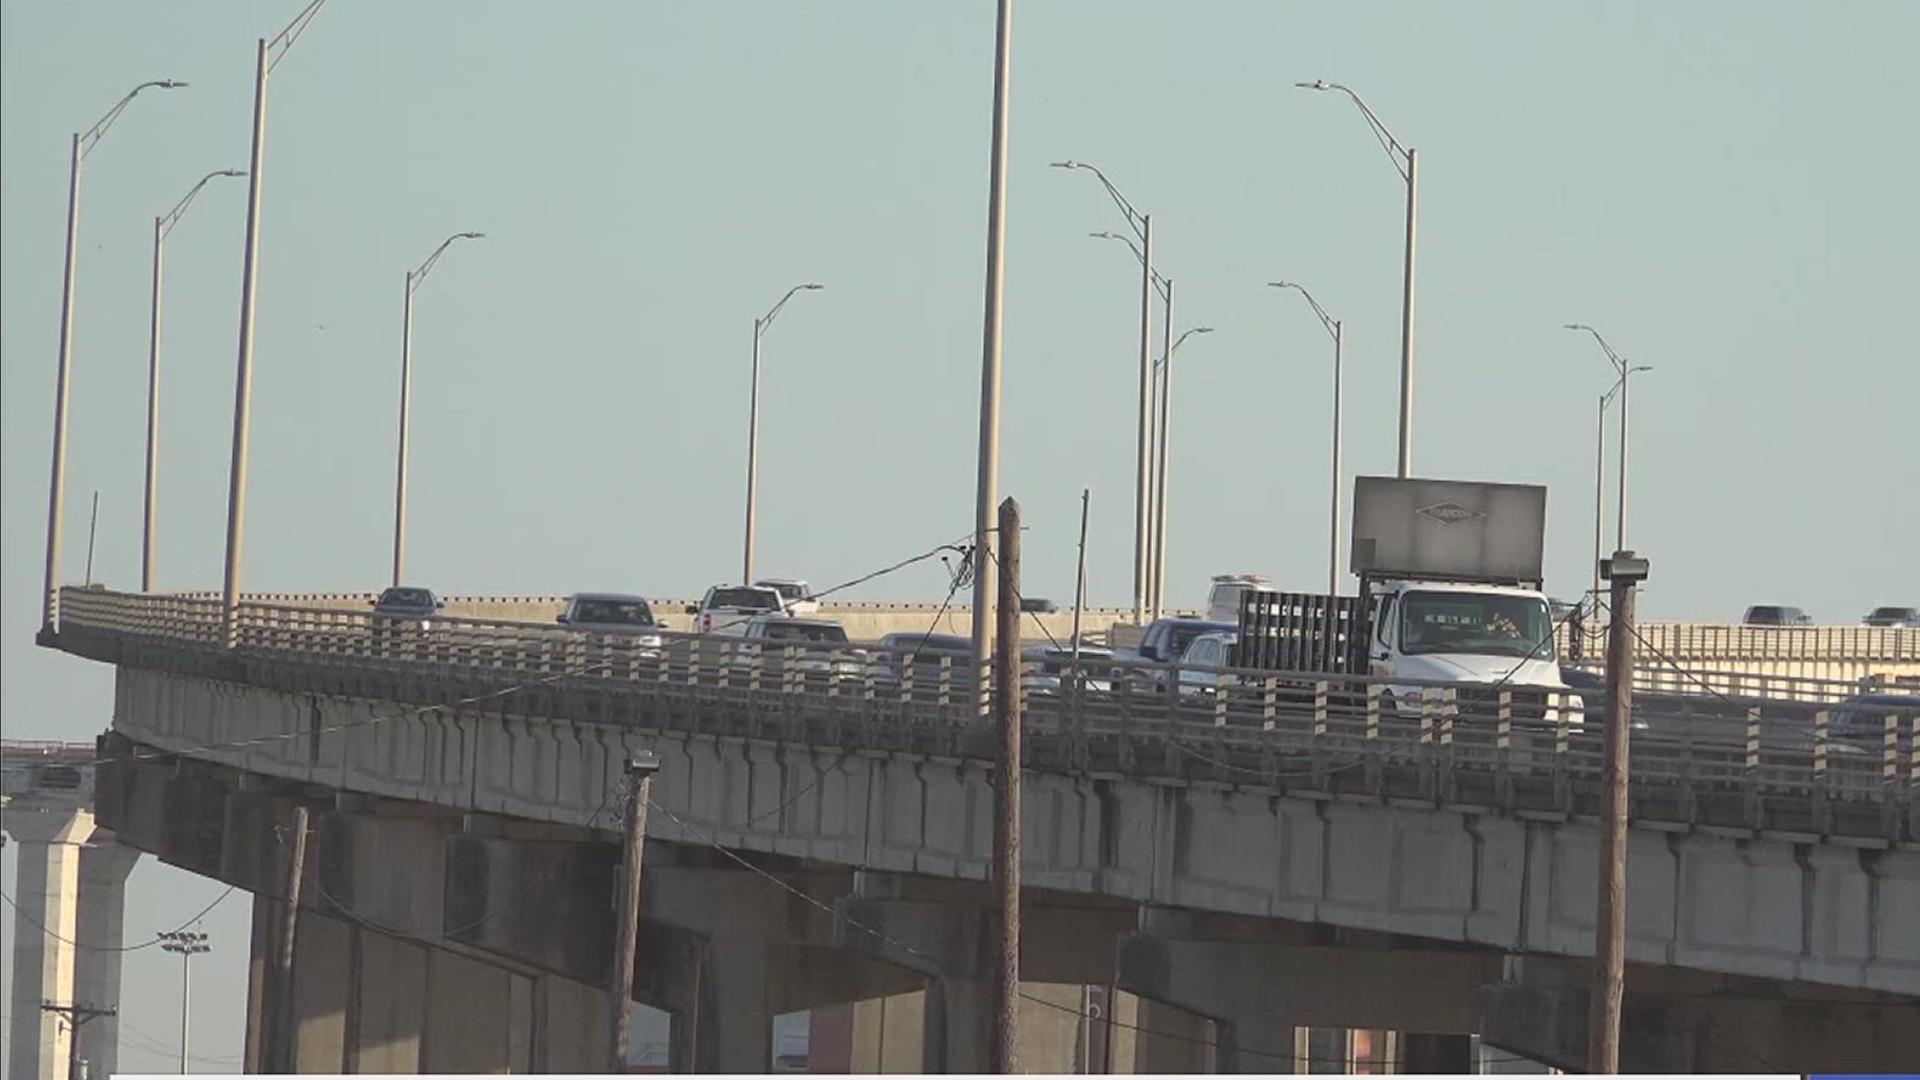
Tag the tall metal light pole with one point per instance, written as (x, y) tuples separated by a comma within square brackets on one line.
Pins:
[(1621, 369), (162, 226), (1166, 438), (760, 326), (267, 54), (414, 278), (1600, 474), (1406, 161), (189, 944), (987, 484), (1142, 226), (1333, 524), (83, 144), (1152, 399)]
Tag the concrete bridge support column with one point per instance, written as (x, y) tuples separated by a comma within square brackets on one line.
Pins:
[(1681, 1021), (1284, 998), (104, 866), (45, 926), (943, 931)]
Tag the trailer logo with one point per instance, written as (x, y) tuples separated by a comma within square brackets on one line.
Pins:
[(1449, 513)]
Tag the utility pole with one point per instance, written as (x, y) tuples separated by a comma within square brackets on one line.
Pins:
[(283, 1057), (76, 1016), (188, 943), (640, 772), (1625, 571), (1006, 795)]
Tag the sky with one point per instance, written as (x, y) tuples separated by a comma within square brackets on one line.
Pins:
[(1724, 189)]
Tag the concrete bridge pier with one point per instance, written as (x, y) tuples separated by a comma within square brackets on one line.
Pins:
[(943, 932), (1675, 1020), (72, 881), (1285, 997)]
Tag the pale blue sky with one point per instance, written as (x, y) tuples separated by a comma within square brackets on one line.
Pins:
[(1725, 189)]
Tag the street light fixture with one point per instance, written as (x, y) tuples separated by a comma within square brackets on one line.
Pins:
[(1406, 161), (414, 279), (267, 56), (1620, 368), (760, 327), (1166, 438), (83, 144), (188, 944), (1142, 226), (1334, 329), (162, 227)]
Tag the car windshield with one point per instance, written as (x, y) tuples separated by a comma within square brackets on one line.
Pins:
[(788, 590), (622, 612), (1485, 623), (1766, 615), (406, 598), (753, 599), (798, 631), (1183, 636), (1892, 613)]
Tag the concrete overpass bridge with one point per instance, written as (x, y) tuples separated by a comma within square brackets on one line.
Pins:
[(1250, 870)]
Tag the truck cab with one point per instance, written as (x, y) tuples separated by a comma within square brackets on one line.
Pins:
[(1463, 632)]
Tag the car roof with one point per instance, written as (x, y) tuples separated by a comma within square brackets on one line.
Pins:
[(1189, 621), (613, 597), (779, 581)]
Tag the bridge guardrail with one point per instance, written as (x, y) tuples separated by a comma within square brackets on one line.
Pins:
[(1235, 725)]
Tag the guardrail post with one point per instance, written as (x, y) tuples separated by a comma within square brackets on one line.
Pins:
[(945, 692), (1753, 743), (1374, 690), (1426, 715), (1822, 729), (1890, 767), (1269, 703), (1322, 690), (1503, 722)]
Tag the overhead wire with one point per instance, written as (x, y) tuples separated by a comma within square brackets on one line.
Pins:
[(157, 939)]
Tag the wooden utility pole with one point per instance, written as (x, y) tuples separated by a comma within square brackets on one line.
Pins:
[(284, 1053), (1625, 571), (626, 942), (1006, 795), (76, 1017)]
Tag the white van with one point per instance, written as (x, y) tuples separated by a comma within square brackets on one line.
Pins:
[(1223, 601)]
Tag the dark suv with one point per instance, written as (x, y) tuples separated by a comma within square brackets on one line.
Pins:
[(1776, 615), (1892, 616)]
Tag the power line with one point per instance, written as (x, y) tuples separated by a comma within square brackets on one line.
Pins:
[(157, 938)]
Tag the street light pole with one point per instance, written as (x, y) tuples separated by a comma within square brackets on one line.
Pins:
[(188, 944), (414, 279), (1142, 226), (1624, 371), (760, 327), (162, 226), (1336, 330), (83, 144), (1166, 440), (1406, 161), (987, 483), (264, 60), (1157, 489)]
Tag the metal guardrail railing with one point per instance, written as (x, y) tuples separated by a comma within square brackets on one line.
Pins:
[(1301, 729)]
